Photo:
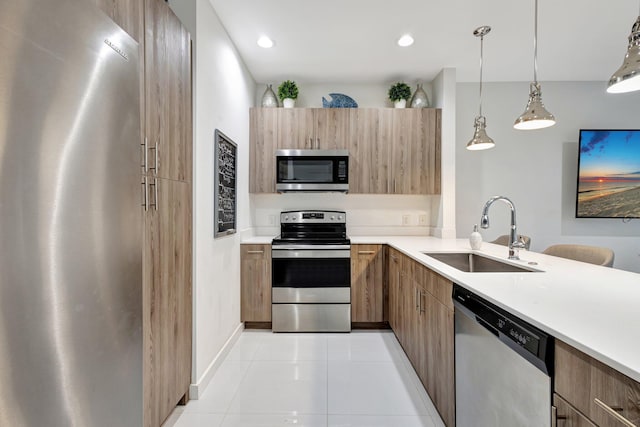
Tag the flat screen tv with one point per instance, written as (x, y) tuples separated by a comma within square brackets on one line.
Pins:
[(608, 174)]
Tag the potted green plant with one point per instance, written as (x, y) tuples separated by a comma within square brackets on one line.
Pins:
[(288, 93), (399, 94)]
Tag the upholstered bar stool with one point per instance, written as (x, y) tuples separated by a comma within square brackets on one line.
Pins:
[(591, 254)]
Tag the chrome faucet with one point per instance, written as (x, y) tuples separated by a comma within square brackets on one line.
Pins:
[(514, 244)]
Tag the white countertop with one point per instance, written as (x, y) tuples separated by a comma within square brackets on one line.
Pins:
[(595, 309)]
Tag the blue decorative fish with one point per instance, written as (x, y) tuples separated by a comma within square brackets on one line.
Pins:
[(339, 100)]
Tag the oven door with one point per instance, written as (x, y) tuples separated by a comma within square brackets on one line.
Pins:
[(311, 274)]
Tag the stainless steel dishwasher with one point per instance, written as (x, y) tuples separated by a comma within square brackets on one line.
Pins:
[(503, 366)]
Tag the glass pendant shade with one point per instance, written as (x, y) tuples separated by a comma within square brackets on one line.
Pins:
[(535, 116), (480, 140), (627, 78)]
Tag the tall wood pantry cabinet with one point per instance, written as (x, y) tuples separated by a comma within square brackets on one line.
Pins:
[(166, 176)]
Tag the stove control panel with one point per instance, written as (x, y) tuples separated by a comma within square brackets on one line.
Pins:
[(307, 217)]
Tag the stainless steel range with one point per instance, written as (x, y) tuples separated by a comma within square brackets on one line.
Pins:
[(311, 273)]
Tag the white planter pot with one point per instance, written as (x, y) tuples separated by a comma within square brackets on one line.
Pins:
[(400, 104), (288, 103)]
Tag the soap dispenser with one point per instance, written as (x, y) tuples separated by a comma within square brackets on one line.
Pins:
[(475, 240)]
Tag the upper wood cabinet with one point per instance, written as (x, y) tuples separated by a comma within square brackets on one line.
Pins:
[(370, 150), (263, 140), (392, 151), (255, 283), (367, 283), (601, 393), (415, 153), (168, 123)]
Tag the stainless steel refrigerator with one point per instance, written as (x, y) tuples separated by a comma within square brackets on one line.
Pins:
[(70, 218)]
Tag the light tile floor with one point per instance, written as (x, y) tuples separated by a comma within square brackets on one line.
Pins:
[(361, 379)]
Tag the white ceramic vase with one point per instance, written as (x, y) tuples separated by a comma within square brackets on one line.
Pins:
[(400, 104), (288, 103)]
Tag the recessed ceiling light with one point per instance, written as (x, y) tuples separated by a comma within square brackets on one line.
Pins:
[(265, 42), (405, 40)]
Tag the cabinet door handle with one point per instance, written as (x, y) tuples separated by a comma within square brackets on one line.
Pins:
[(366, 252), (416, 297), (156, 166), (145, 194), (422, 310), (611, 411), (145, 156), (318, 143), (255, 252), (311, 143), (155, 194)]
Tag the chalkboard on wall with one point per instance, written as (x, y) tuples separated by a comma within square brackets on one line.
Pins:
[(225, 185)]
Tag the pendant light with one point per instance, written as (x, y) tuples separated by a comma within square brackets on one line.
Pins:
[(627, 78), (535, 116), (481, 140)]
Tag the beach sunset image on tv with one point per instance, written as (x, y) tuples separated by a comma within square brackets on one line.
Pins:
[(609, 174)]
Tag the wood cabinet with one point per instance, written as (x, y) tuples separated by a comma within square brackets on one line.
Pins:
[(168, 123), (255, 283), (600, 393), (263, 142), (394, 265), (392, 151), (415, 156), (566, 415), (370, 150), (367, 283), (166, 298), (421, 316), (167, 291)]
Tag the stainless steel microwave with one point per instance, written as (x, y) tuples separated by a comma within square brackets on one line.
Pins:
[(312, 170)]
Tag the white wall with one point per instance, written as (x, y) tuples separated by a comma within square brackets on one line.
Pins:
[(223, 93), (537, 169), (366, 214), (444, 207)]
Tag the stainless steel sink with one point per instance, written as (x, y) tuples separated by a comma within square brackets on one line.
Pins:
[(474, 263)]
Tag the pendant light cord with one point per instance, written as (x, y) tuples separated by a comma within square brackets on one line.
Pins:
[(481, 55), (535, 44)]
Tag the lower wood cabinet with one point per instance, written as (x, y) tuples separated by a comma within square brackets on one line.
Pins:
[(565, 415), (167, 298), (367, 283), (600, 393), (255, 283), (422, 319)]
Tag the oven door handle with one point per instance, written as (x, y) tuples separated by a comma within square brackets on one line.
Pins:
[(311, 247), (307, 253)]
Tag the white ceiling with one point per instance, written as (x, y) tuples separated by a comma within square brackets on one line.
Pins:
[(354, 41)]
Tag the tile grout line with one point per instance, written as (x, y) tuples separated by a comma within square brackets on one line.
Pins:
[(326, 420)]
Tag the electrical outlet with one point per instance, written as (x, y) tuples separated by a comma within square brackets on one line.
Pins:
[(272, 220), (406, 219), (422, 219)]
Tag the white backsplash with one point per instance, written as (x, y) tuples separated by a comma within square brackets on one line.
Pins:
[(366, 214)]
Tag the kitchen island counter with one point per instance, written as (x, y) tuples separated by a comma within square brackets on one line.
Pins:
[(593, 308)]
